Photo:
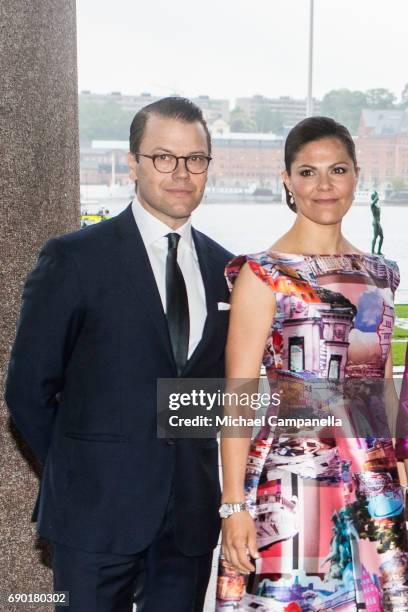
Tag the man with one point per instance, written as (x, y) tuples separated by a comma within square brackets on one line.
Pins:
[(107, 311)]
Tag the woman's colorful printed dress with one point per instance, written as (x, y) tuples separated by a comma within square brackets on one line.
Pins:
[(328, 508)]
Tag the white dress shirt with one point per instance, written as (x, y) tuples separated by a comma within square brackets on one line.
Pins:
[(153, 232)]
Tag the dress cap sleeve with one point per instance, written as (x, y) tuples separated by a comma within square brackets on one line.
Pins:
[(393, 274), (262, 265)]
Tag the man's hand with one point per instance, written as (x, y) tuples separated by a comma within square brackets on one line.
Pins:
[(239, 541)]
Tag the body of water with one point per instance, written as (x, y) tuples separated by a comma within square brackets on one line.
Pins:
[(248, 228)]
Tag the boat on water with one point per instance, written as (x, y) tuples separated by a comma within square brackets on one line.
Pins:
[(93, 213)]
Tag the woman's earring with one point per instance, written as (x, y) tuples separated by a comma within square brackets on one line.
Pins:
[(292, 199)]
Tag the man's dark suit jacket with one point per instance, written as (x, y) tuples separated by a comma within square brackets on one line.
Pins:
[(91, 341)]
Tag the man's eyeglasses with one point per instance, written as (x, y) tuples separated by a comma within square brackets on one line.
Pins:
[(165, 162)]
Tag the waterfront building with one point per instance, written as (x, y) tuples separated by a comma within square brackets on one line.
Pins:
[(104, 163), (242, 159), (127, 102), (213, 108), (382, 148), (239, 161), (254, 161), (292, 110)]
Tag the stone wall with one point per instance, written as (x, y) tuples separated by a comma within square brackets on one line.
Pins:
[(39, 198)]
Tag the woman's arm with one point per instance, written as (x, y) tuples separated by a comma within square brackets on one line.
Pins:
[(252, 311), (391, 400)]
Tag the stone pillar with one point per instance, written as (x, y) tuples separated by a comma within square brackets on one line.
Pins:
[(39, 198)]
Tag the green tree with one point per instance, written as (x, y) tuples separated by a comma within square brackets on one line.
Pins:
[(107, 121), (404, 96), (268, 121), (345, 106), (241, 122), (380, 98)]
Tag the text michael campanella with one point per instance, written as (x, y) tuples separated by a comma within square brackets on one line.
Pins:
[(208, 402)]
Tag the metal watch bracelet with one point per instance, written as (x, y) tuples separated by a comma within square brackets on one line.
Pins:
[(227, 509)]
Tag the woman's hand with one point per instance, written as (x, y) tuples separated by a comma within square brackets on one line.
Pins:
[(402, 466), (239, 541)]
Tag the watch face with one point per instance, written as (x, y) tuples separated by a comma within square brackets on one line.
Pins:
[(224, 512)]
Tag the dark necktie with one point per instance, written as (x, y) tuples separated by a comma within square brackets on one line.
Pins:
[(177, 305)]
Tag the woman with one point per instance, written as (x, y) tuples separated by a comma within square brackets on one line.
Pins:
[(318, 522)]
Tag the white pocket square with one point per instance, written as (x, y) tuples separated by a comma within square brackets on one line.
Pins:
[(223, 306)]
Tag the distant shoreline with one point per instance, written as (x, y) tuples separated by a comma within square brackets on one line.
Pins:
[(249, 199)]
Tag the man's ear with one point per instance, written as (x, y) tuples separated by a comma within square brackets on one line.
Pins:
[(132, 164)]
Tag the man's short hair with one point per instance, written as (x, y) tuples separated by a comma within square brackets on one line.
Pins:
[(172, 107)]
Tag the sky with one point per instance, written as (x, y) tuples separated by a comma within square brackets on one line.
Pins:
[(232, 48)]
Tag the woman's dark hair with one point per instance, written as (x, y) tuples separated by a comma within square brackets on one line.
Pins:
[(310, 130)]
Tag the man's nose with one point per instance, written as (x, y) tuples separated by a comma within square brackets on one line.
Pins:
[(181, 170)]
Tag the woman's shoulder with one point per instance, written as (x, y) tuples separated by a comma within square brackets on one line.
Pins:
[(384, 266), (264, 264), (267, 257)]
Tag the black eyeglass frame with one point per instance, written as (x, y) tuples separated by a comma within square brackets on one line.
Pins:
[(176, 157)]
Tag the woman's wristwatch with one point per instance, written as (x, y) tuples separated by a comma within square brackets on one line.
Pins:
[(227, 510)]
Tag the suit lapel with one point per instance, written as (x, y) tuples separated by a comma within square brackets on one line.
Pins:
[(139, 271)]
